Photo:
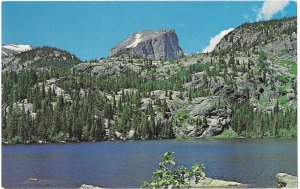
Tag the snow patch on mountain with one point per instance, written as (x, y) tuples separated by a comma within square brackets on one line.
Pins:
[(11, 49), (138, 39), (18, 48)]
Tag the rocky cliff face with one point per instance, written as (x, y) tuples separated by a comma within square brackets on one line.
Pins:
[(275, 37), (158, 44)]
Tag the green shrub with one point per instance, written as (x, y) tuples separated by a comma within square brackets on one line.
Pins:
[(227, 133), (183, 114), (287, 132), (293, 65), (283, 79), (281, 90), (181, 117), (167, 176), (282, 100), (59, 137), (16, 139), (293, 69)]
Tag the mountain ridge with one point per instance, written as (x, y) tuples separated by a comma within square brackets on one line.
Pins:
[(276, 37), (39, 57)]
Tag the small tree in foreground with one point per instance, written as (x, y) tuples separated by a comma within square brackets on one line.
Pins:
[(167, 176)]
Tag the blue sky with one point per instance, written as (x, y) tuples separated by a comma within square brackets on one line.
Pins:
[(91, 29)]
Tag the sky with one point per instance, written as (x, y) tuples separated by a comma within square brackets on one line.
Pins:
[(90, 29)]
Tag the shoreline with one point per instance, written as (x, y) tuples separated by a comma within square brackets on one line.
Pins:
[(197, 138)]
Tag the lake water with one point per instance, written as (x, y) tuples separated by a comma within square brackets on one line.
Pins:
[(129, 163)]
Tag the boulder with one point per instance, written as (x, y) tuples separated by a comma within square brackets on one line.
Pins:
[(286, 181), (198, 81), (31, 179), (130, 134), (118, 134), (196, 132), (82, 67), (105, 70), (183, 130), (215, 126), (214, 183), (85, 186)]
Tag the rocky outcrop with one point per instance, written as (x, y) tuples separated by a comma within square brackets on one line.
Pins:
[(285, 48), (208, 106), (286, 181), (214, 109), (157, 44), (98, 69), (217, 86)]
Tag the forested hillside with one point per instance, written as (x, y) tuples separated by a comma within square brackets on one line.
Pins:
[(245, 91)]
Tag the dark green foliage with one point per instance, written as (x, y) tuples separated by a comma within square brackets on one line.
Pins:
[(249, 123), (262, 61), (53, 118), (283, 79)]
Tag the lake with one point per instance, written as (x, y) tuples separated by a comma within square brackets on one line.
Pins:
[(129, 163)]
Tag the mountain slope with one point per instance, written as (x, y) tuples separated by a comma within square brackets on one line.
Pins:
[(39, 57), (275, 37), (245, 92)]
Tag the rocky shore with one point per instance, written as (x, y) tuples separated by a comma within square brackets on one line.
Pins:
[(286, 181), (283, 181), (205, 183)]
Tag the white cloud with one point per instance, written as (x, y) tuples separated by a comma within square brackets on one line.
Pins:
[(270, 8), (215, 40)]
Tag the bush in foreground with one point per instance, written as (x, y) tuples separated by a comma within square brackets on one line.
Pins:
[(169, 175)]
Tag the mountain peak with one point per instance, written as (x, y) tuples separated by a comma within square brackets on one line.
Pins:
[(11, 49), (152, 44)]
